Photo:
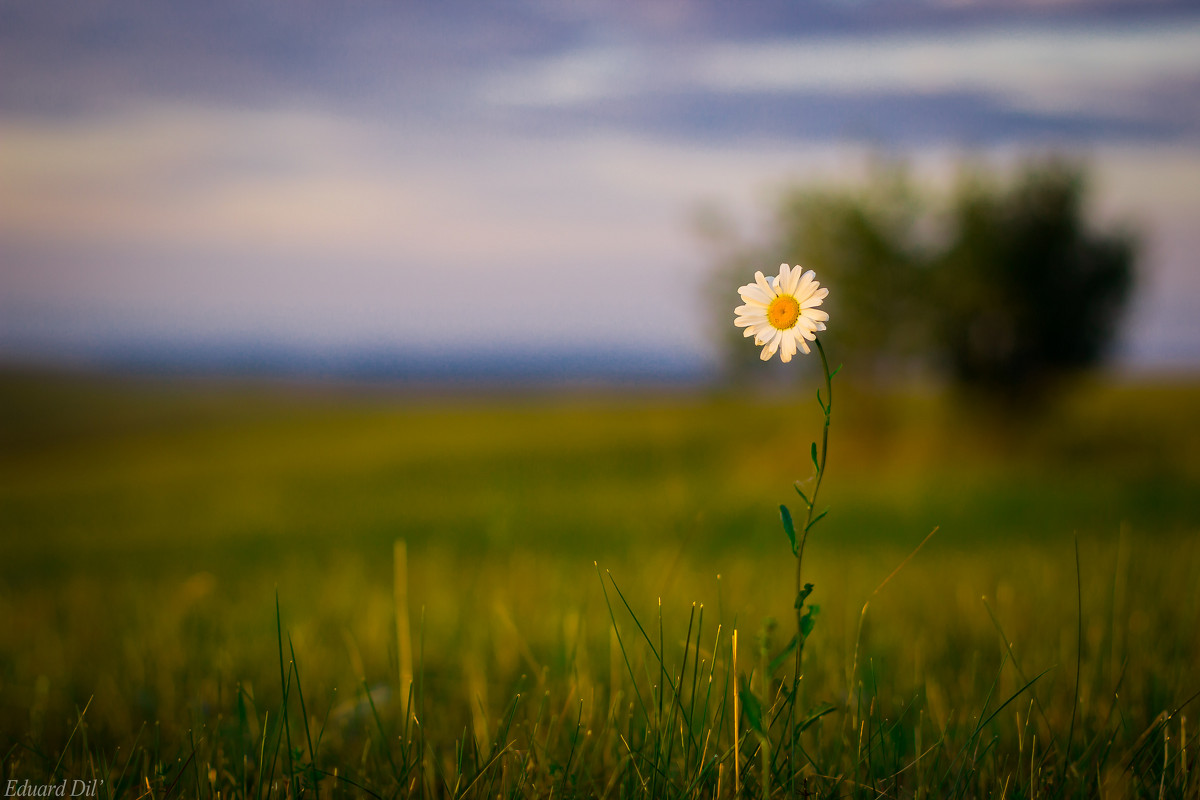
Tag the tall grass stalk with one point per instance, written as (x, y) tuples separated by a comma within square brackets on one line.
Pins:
[(113, 671)]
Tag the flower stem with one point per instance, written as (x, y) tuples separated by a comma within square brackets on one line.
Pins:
[(827, 407), (812, 499)]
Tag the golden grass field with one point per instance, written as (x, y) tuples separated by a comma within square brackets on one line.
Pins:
[(148, 527)]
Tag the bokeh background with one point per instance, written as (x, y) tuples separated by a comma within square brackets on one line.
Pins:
[(284, 283), (293, 181)]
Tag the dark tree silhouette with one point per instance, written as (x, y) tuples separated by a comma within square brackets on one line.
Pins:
[(1028, 291), (1005, 288)]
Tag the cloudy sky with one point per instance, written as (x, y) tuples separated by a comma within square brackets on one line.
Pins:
[(470, 176)]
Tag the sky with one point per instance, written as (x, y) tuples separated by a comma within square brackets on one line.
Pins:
[(464, 178)]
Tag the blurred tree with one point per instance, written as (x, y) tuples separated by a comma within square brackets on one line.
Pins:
[(1002, 288), (1027, 291), (867, 246)]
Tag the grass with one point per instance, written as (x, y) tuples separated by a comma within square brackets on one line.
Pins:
[(576, 568)]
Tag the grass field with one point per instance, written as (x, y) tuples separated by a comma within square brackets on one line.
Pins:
[(577, 565)]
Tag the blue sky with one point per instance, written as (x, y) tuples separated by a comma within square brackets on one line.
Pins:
[(480, 177)]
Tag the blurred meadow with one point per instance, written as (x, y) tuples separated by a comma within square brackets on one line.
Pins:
[(149, 526)]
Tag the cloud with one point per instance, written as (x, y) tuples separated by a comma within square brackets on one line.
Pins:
[(1038, 69), (286, 182), (405, 176), (1080, 69)]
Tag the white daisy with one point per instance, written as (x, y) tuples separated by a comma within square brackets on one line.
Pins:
[(781, 312)]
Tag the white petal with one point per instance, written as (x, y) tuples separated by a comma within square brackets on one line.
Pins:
[(815, 298), (815, 314), (772, 339), (767, 333), (775, 341), (803, 286), (793, 281), (770, 348), (788, 347), (765, 285), (751, 311), (754, 295), (803, 346)]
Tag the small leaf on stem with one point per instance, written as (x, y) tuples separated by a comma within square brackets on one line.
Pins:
[(809, 620), (815, 520), (752, 707), (803, 496), (788, 526)]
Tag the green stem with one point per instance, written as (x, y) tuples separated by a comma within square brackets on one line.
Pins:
[(764, 749), (812, 498), (812, 502)]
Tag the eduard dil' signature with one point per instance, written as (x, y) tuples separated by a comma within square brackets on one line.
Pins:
[(68, 788)]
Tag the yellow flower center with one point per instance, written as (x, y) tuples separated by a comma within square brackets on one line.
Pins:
[(783, 312)]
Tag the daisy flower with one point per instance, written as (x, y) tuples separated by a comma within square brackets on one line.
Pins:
[(781, 312)]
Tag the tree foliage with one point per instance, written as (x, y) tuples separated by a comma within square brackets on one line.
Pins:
[(1004, 287), (1027, 290)]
